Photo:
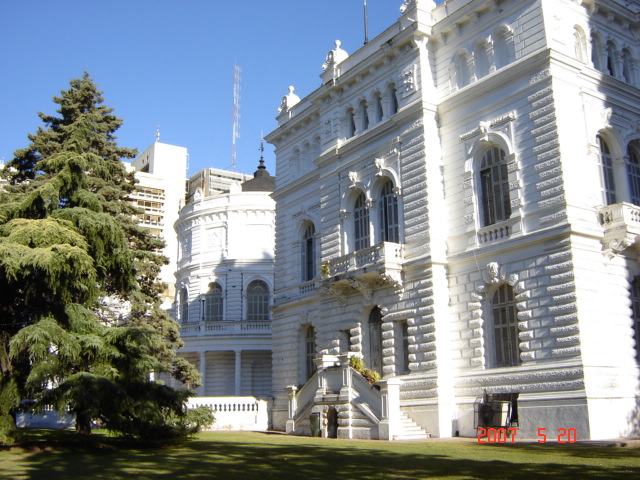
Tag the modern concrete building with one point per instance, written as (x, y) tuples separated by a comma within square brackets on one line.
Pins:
[(225, 281), (161, 171), (457, 203)]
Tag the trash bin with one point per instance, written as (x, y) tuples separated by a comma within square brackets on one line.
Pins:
[(314, 423)]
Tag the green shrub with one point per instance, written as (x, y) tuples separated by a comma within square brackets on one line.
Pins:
[(357, 363)]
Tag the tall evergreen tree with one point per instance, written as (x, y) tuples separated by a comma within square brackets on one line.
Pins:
[(71, 251)]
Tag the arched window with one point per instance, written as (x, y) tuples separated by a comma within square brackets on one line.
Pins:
[(633, 172), (213, 304), (494, 182), (635, 312), (308, 250), (257, 301), (606, 170), (351, 123), (462, 70), (377, 106), (626, 66), (310, 351), (364, 117), (361, 223), (375, 340), (393, 99), (580, 44), (503, 46), (611, 59), (505, 327), (596, 53), (388, 214), (184, 305)]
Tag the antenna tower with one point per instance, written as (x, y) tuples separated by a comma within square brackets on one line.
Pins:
[(236, 114)]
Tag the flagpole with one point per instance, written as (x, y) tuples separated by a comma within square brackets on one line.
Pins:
[(366, 31)]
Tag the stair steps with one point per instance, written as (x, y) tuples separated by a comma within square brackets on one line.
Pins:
[(410, 430)]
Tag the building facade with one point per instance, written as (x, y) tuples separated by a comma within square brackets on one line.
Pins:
[(161, 171), (225, 280), (457, 204)]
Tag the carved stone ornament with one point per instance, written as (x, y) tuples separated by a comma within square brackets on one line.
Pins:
[(379, 164), (335, 292), (363, 288), (334, 56), (288, 101), (607, 113), (407, 5), (353, 178), (615, 246), (408, 81), (393, 278), (493, 273)]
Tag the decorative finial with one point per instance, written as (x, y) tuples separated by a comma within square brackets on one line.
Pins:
[(335, 56), (288, 101), (158, 133), (261, 166)]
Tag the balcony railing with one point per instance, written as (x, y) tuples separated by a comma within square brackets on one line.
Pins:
[(384, 255), (621, 224), (364, 271), (204, 329)]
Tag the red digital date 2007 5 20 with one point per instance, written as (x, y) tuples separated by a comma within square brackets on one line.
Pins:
[(500, 435)]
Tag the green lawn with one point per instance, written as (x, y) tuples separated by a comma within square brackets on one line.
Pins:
[(261, 455)]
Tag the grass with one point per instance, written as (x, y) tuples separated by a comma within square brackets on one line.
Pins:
[(248, 455)]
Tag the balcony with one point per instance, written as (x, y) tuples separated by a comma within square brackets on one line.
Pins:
[(363, 270), (621, 224), (208, 329)]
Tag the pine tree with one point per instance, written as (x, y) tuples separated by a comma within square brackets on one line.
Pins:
[(71, 250)]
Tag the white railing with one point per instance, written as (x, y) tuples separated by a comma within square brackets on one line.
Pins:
[(343, 381), (379, 256), (225, 328), (366, 398), (620, 213), (235, 413), (494, 233), (307, 287), (45, 418)]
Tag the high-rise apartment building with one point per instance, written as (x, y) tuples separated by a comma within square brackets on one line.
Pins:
[(161, 171)]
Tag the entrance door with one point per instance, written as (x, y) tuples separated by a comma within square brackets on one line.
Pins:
[(332, 423)]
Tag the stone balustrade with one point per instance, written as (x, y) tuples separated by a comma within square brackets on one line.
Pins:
[(383, 255), (235, 413), (203, 329)]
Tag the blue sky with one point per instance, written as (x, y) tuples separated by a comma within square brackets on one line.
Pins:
[(169, 64)]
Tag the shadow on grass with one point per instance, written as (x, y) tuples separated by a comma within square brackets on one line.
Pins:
[(231, 460)]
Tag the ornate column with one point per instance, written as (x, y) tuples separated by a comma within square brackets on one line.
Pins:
[(293, 406), (203, 373), (389, 426), (238, 381)]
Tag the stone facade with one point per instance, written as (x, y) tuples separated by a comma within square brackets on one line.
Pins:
[(225, 283), (465, 189)]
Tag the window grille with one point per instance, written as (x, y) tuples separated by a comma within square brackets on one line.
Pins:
[(505, 327), (257, 301), (494, 181)]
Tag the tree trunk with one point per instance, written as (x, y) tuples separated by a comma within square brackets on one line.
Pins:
[(83, 424)]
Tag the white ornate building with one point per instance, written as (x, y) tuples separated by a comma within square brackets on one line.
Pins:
[(457, 202), (225, 280)]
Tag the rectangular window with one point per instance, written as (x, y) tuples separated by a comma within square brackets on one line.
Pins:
[(505, 328)]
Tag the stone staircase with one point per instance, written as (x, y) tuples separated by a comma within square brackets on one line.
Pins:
[(410, 430)]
